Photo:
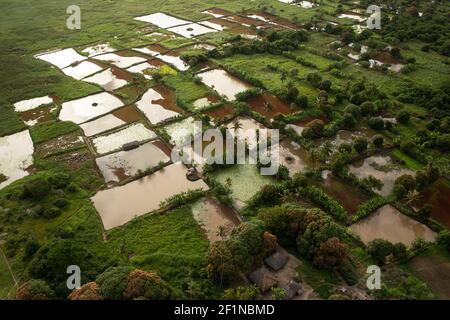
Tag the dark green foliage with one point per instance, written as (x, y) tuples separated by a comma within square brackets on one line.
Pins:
[(379, 249), (36, 189), (360, 144), (113, 282), (51, 261)]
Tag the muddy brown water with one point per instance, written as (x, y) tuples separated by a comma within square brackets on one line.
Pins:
[(38, 115), (270, 106), (221, 112), (205, 102), (119, 205), (390, 224), (159, 104), (435, 271), (293, 156), (129, 114), (163, 147), (224, 83), (438, 195), (218, 12), (233, 27), (349, 197), (244, 20), (211, 215), (111, 79), (121, 165)]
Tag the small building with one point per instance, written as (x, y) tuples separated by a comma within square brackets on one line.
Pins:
[(263, 278), (293, 289), (276, 261)]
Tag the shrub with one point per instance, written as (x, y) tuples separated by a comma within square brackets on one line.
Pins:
[(31, 246), (35, 290), (148, 285), (51, 212), (403, 117), (378, 141), (61, 203), (353, 109), (321, 199), (376, 123), (360, 144), (37, 189), (400, 252), (88, 291), (113, 282), (241, 293), (348, 121), (379, 249), (59, 180), (443, 239), (367, 108), (331, 254)]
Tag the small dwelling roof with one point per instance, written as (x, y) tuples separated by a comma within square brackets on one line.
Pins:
[(277, 261)]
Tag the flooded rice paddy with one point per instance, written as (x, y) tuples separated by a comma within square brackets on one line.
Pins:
[(293, 156), (162, 20), (90, 107), (212, 215), (174, 59), (121, 165), (110, 79), (100, 125), (82, 70), (205, 102), (348, 196), (181, 130), (390, 224), (153, 49), (120, 59), (141, 69), (224, 83), (17, 156), (61, 58), (119, 205), (438, 195), (382, 168), (30, 104), (191, 30), (115, 141), (159, 104), (98, 49)]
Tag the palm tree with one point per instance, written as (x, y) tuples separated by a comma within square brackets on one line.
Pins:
[(237, 125), (314, 157), (326, 149), (412, 197)]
